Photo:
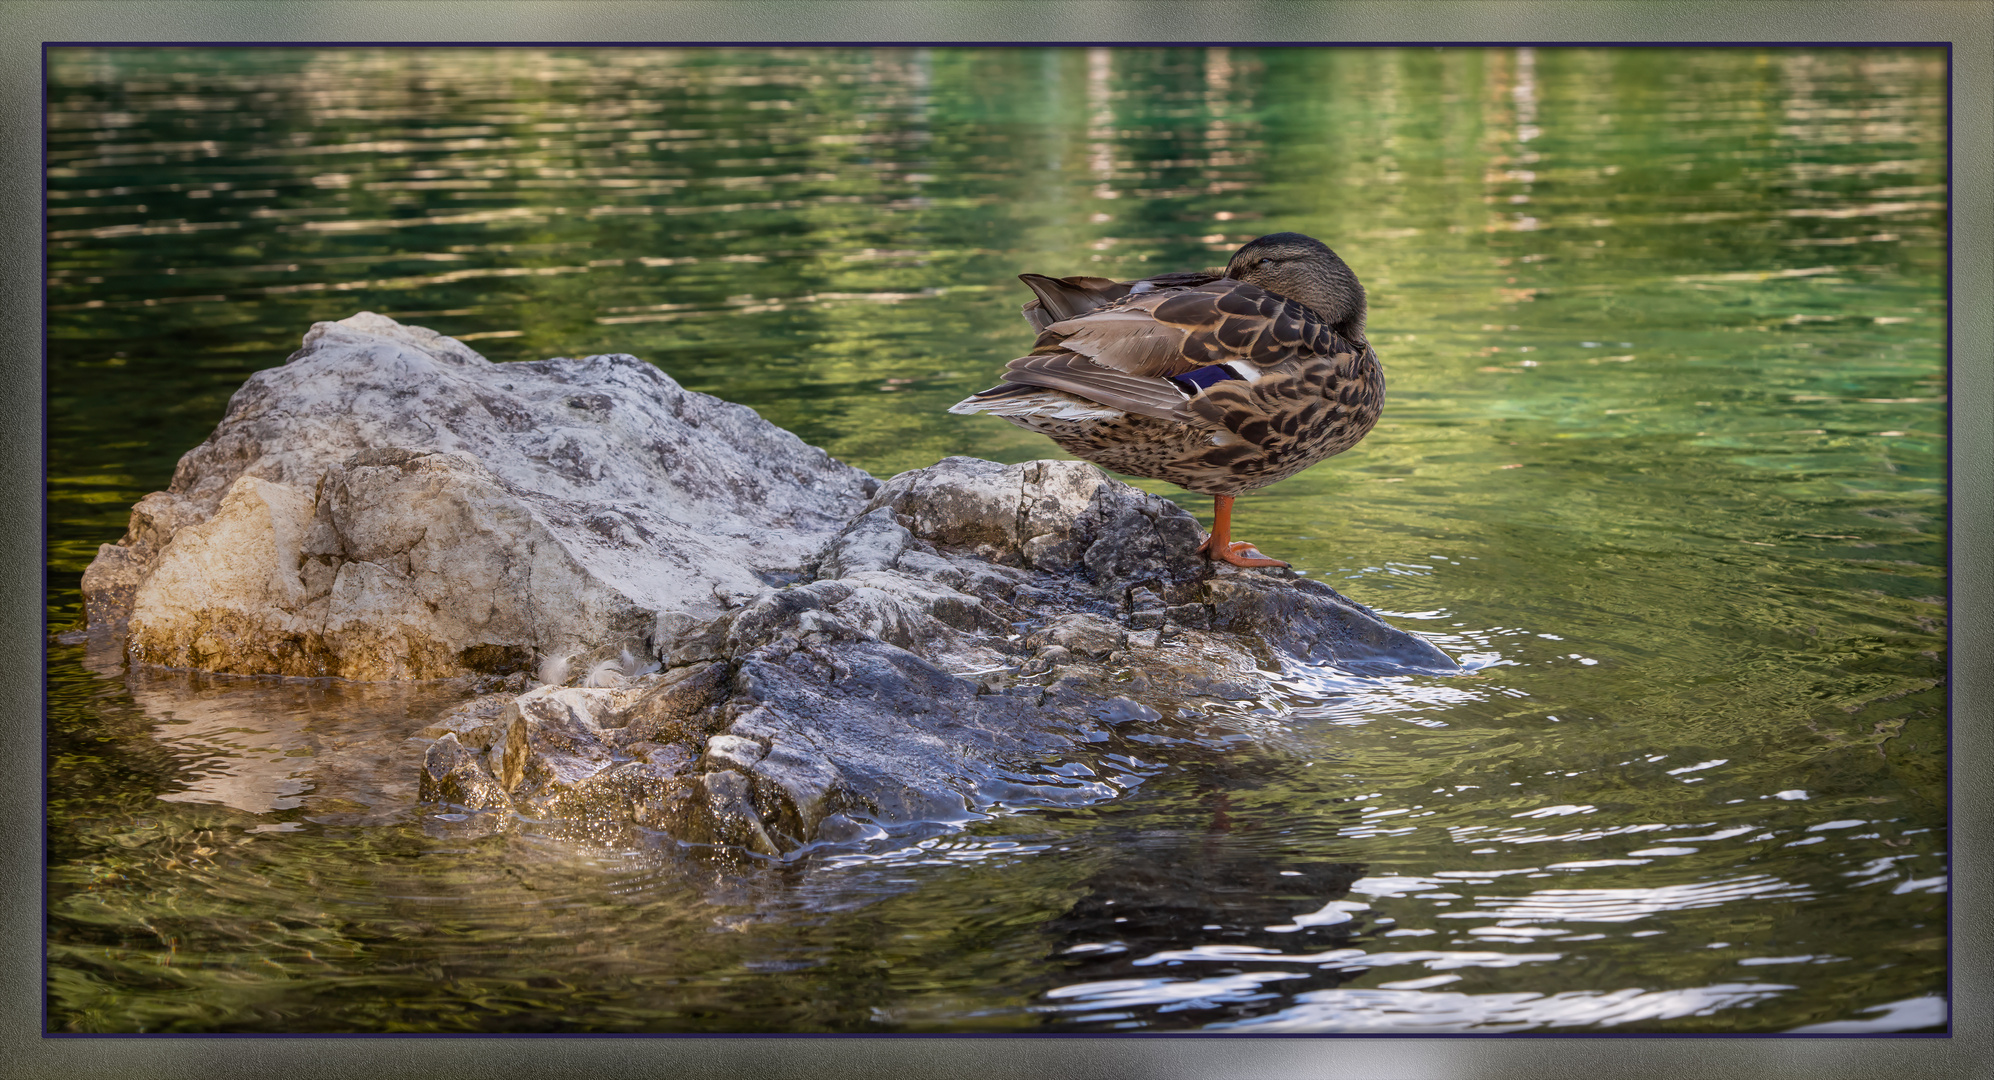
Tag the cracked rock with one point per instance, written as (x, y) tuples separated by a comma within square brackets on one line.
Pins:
[(457, 776), (388, 504), (1082, 634)]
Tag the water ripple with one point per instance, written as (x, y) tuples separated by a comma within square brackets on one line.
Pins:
[(1413, 1012)]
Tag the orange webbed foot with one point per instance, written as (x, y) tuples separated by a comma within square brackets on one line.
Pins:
[(1221, 547), (1230, 553)]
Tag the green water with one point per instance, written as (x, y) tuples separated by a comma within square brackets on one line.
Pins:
[(1663, 463)]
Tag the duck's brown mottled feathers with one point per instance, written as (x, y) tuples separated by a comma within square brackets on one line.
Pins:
[(1060, 299), (1075, 374), (1218, 384), (1167, 332), (1063, 298)]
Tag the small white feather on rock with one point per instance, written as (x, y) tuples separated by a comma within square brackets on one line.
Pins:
[(607, 674)]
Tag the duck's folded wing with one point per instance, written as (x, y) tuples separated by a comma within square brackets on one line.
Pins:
[(1196, 354), (1075, 374), (1060, 299), (1174, 331)]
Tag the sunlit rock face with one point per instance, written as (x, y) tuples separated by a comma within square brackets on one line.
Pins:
[(769, 650), (390, 505), (969, 618)]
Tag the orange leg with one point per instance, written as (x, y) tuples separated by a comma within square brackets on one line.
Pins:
[(1220, 546)]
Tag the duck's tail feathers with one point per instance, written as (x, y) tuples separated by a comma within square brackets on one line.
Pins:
[(1017, 399), (1060, 299)]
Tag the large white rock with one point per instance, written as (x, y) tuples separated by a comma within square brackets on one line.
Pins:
[(388, 504)]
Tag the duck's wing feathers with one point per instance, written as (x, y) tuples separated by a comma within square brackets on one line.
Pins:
[(1081, 376), (1060, 299), (1154, 352), (1168, 332)]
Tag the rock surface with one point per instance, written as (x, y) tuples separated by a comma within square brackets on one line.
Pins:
[(388, 504), (839, 656), (971, 619)]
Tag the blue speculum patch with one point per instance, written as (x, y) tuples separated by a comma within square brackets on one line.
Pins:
[(1198, 379)]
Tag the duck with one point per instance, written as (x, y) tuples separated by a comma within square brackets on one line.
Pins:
[(1218, 381)]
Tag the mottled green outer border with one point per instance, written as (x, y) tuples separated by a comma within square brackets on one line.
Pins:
[(25, 25)]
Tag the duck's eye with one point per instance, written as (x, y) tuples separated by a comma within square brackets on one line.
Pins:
[(1267, 262)]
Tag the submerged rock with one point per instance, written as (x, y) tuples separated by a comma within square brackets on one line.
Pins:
[(837, 654), (455, 774)]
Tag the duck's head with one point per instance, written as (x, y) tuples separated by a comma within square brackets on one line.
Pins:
[(1303, 269)]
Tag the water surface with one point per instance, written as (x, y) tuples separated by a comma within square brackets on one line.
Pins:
[(1663, 464)]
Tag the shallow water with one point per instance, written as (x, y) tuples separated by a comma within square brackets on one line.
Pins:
[(1663, 464)]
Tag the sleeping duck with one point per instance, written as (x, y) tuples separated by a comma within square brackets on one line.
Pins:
[(1218, 383)]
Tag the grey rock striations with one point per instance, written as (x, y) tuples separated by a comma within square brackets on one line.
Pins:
[(388, 504)]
